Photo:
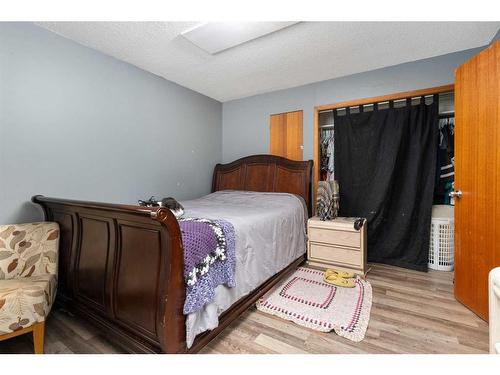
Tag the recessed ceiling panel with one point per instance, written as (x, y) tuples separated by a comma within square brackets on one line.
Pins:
[(215, 37)]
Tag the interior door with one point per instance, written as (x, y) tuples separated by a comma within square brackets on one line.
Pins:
[(477, 177), (286, 135)]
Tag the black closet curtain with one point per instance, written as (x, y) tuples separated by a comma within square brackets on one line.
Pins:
[(385, 163)]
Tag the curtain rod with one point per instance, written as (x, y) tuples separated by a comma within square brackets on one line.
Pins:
[(387, 101)]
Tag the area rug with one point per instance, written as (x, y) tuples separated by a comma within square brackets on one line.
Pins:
[(305, 299)]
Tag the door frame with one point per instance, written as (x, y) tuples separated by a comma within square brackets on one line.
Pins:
[(360, 102)]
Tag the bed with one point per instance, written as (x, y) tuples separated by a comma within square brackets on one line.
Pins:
[(121, 266)]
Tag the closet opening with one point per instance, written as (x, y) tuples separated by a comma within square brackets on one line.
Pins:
[(393, 158), (324, 129)]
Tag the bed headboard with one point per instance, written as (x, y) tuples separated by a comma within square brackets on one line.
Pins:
[(266, 173)]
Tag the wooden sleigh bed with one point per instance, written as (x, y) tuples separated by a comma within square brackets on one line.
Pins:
[(134, 296)]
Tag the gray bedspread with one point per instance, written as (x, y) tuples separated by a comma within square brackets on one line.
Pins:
[(270, 234)]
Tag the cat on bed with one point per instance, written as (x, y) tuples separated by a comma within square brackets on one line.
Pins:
[(169, 202), (173, 205)]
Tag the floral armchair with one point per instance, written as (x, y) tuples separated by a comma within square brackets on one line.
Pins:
[(28, 278)]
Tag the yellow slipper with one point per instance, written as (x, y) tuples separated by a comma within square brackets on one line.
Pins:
[(339, 281), (344, 274)]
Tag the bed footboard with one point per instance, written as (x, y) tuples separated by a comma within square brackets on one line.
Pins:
[(121, 267)]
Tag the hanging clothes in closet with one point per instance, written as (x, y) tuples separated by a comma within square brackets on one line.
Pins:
[(327, 155), (445, 168)]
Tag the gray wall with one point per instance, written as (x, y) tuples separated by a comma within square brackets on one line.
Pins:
[(496, 37), (75, 123), (245, 122)]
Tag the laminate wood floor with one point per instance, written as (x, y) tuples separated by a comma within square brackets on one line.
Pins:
[(412, 312)]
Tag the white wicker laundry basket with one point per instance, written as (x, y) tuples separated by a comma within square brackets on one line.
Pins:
[(442, 247)]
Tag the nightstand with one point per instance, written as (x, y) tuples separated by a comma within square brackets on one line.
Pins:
[(336, 244)]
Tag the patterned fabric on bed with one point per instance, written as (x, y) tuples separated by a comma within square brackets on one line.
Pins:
[(28, 273), (209, 259), (270, 234)]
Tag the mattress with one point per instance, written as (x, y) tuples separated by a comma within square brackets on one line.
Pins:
[(270, 234)]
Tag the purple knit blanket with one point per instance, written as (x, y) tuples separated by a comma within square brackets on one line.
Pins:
[(209, 259)]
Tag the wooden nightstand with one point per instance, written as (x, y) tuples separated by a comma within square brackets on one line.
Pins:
[(336, 244)]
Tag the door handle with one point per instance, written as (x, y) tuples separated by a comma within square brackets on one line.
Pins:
[(456, 194)]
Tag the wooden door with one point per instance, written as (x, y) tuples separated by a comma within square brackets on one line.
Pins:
[(477, 176), (287, 135)]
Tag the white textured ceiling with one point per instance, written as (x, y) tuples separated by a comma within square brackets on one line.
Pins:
[(300, 54)]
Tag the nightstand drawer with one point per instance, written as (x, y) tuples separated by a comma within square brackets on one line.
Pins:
[(334, 237), (333, 254)]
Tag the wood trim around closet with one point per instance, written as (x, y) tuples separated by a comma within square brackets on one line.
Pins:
[(359, 102)]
